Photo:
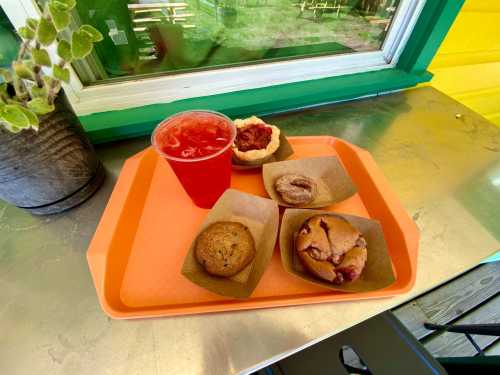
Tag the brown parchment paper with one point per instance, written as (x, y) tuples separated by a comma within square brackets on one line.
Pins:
[(284, 151), (334, 184), (378, 272), (261, 216)]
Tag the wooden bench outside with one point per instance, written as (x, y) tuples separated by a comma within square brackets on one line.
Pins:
[(472, 298), (318, 7)]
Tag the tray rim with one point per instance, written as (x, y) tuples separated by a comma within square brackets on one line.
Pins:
[(97, 254)]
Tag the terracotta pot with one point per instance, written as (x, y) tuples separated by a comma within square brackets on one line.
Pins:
[(51, 170)]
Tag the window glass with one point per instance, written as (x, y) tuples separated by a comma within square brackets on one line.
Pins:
[(9, 42), (165, 37)]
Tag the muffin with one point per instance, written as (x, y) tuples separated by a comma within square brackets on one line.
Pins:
[(225, 248), (330, 248)]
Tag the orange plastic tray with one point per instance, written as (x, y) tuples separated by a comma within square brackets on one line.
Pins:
[(138, 249)]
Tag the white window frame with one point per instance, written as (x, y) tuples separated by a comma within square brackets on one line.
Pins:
[(169, 88)]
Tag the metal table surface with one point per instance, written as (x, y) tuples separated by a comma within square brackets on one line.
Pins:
[(442, 160)]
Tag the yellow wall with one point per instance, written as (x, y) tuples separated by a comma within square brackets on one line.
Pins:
[(467, 65)]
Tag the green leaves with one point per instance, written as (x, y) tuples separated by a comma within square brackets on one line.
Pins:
[(94, 34), (64, 51), (29, 31), (9, 127), (82, 41), (32, 117), (61, 73), (81, 44), (22, 70), (26, 33), (15, 118), (63, 5), (41, 57), (40, 106), (4, 97), (59, 11), (4, 94), (46, 32), (60, 18), (38, 92), (21, 101), (32, 24), (53, 83), (6, 74)]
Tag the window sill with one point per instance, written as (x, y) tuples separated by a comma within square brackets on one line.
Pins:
[(112, 125)]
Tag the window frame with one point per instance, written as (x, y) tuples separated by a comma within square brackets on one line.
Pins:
[(262, 88)]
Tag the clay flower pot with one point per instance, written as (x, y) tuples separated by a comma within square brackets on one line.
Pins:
[(51, 170)]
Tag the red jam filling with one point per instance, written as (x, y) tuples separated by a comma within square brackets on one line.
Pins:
[(253, 137)]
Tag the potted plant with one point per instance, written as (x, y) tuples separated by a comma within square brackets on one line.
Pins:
[(47, 164)]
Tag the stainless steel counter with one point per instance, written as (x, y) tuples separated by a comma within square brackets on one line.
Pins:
[(442, 159)]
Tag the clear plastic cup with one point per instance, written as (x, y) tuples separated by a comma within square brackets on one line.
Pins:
[(197, 145)]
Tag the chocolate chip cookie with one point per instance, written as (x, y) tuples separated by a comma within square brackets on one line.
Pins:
[(225, 248)]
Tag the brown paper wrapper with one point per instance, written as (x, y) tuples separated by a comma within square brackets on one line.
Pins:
[(378, 272), (284, 151), (334, 184), (261, 216)]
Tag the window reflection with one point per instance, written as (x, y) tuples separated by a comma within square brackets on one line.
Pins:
[(145, 37)]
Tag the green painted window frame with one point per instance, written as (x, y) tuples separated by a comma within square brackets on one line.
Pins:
[(9, 41), (433, 24)]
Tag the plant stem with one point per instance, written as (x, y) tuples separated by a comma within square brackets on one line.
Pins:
[(52, 94), (22, 51), (37, 69), (20, 89), (19, 86)]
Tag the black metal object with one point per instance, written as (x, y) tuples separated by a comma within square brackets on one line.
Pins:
[(474, 344), (480, 364), (355, 364), (474, 329), (383, 344), (483, 365), (468, 330)]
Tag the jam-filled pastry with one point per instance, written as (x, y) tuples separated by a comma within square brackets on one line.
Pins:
[(255, 139)]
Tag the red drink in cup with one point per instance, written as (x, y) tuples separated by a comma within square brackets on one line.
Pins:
[(197, 145)]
